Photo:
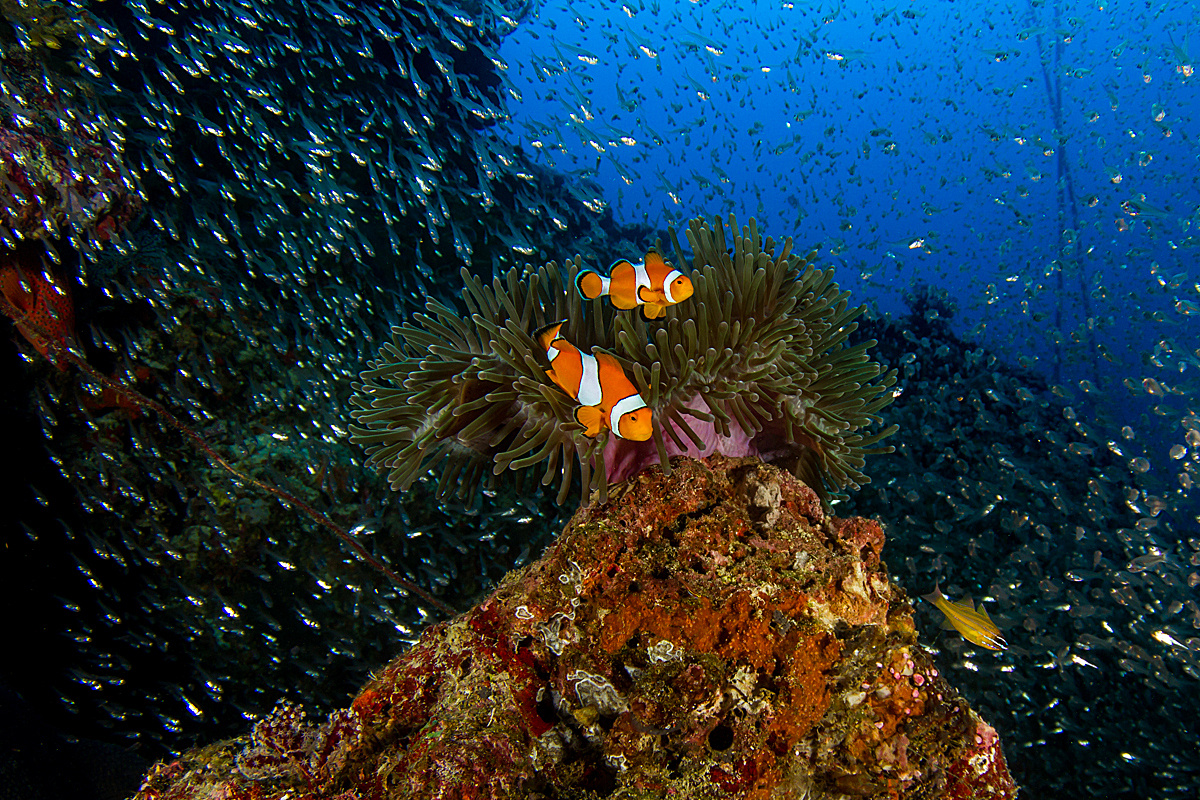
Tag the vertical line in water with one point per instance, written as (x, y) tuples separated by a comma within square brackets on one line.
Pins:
[(1068, 207)]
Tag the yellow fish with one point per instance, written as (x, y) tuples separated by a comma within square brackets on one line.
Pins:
[(974, 625)]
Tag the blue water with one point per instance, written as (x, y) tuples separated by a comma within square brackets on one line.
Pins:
[(911, 141), (1038, 161)]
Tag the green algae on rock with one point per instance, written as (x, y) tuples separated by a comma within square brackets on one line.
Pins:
[(707, 633), (754, 363)]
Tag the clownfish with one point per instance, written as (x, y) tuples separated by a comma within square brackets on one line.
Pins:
[(606, 397), (650, 284)]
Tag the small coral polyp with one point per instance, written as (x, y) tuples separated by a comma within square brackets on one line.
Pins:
[(755, 362)]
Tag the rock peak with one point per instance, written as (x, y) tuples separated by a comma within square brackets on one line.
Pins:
[(708, 633)]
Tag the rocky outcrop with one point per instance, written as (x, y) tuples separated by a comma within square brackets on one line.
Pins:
[(704, 634)]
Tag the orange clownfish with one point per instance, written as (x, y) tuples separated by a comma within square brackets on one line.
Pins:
[(651, 284), (606, 397)]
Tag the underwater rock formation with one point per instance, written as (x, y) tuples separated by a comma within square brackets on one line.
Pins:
[(704, 634)]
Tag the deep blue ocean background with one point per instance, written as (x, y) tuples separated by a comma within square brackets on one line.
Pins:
[(1036, 160)]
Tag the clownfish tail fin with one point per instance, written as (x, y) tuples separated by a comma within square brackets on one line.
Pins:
[(590, 284)]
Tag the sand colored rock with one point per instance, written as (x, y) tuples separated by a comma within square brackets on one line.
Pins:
[(712, 633)]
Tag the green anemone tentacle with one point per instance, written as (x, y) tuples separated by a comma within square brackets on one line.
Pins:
[(761, 345)]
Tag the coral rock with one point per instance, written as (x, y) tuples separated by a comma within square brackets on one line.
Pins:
[(710, 633)]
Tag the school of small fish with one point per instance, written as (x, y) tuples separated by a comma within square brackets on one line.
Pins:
[(1012, 187)]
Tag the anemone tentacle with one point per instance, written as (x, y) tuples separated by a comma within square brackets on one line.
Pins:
[(754, 362)]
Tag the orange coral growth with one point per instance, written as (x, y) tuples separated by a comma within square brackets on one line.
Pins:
[(735, 631), (803, 695), (39, 304), (682, 640)]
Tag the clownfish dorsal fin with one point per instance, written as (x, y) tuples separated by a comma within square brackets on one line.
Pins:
[(546, 334)]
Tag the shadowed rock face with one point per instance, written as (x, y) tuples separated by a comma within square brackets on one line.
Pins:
[(704, 634)]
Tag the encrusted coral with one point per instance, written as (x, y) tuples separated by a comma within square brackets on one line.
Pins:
[(754, 363), (284, 747), (712, 633)]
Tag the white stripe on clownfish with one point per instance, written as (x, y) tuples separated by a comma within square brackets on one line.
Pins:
[(589, 392), (626, 405)]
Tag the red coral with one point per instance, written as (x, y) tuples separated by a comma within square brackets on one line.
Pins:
[(39, 304), (736, 778), (980, 769)]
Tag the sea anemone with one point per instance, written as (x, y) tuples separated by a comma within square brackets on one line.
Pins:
[(754, 363)]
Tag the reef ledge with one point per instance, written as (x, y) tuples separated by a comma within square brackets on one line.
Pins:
[(709, 633)]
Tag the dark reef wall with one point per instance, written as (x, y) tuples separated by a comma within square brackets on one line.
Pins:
[(224, 206)]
